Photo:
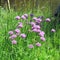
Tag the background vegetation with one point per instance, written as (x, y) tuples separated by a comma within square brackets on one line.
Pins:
[(50, 49)]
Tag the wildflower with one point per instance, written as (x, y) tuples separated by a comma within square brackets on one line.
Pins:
[(42, 33), (23, 17), (31, 15), (17, 30), (48, 20), (34, 18), (32, 23), (26, 15), (36, 30), (20, 25), (14, 42), (36, 27), (31, 46), (39, 20), (10, 32), (13, 36), (38, 44), (53, 30), (42, 38), (23, 35), (17, 17)]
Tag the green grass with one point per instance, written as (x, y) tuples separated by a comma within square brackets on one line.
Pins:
[(49, 50)]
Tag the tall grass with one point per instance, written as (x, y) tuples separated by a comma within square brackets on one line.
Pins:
[(49, 49)]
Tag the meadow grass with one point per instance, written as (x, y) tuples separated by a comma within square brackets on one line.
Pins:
[(49, 50)]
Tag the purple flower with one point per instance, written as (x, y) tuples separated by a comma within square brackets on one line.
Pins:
[(23, 17), (17, 30), (31, 15), (34, 30), (20, 25), (42, 38), (14, 42), (31, 46), (32, 23), (23, 35), (38, 44), (13, 36), (42, 33), (10, 32), (34, 18), (26, 15), (17, 17), (38, 20), (38, 30), (48, 20), (53, 30), (36, 27)]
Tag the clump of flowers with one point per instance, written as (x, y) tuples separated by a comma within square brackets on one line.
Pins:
[(35, 26)]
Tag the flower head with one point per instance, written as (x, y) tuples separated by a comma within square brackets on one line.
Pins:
[(17, 30), (23, 35), (48, 20), (42, 33), (20, 25), (34, 30), (14, 42), (39, 20), (32, 23), (38, 44), (31, 46), (35, 27), (42, 38), (38, 30), (10, 32), (17, 17), (13, 36), (34, 18), (26, 15), (53, 30), (23, 17), (31, 15)]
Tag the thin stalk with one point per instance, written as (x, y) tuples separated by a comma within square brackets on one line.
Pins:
[(8, 4)]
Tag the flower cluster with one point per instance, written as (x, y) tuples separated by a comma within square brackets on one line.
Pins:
[(14, 34), (35, 27)]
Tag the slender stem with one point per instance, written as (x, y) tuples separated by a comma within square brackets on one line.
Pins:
[(8, 4)]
